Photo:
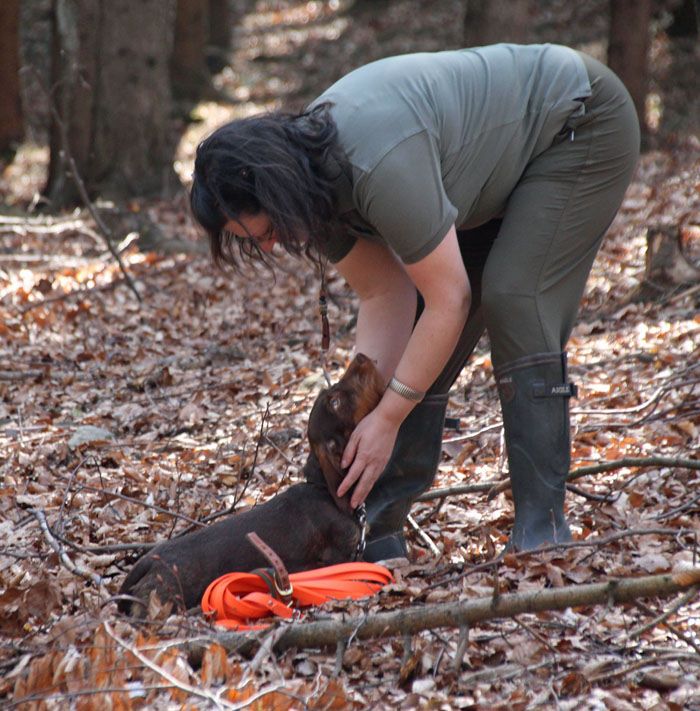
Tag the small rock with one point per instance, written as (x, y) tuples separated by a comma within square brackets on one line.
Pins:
[(88, 434), (423, 686), (660, 681)]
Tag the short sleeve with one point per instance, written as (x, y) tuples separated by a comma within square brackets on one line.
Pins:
[(338, 246), (404, 199)]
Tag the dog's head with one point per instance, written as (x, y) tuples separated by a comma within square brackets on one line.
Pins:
[(335, 414)]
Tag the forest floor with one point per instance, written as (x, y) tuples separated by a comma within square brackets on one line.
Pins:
[(201, 392)]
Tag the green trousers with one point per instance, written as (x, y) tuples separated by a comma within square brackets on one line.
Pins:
[(529, 267)]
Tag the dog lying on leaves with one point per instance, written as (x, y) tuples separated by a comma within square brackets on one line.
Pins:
[(308, 525)]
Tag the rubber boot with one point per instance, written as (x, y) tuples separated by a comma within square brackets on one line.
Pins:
[(534, 393), (410, 471), (414, 461)]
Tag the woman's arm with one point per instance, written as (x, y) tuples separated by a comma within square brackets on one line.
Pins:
[(387, 303), (384, 333)]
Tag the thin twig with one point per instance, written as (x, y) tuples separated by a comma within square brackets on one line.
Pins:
[(682, 600), (238, 496), (131, 499), (472, 435), (672, 628), (75, 175), (21, 374), (678, 509), (536, 635), (40, 516), (423, 536), (462, 643), (187, 688), (614, 464), (597, 542), (69, 696), (496, 486)]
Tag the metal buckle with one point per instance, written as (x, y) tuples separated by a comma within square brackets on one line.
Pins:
[(361, 516), (283, 593)]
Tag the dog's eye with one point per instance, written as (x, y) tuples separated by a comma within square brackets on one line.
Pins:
[(335, 403)]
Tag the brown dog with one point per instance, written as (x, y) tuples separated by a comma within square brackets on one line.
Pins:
[(307, 525)]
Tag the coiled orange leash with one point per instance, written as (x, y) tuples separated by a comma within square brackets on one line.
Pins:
[(236, 600)]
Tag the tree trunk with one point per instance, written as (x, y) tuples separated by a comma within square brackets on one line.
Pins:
[(666, 265), (686, 20), (488, 22), (188, 68), (35, 59), (11, 124), (628, 48), (221, 21), (111, 88)]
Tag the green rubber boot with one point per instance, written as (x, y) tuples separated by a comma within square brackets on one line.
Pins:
[(414, 461), (535, 393), (410, 471)]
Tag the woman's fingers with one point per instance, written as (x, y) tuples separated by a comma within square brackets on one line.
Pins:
[(350, 478), (366, 453), (350, 450), (365, 485)]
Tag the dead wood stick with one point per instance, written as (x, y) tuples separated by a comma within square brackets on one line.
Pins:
[(593, 542), (212, 698), (497, 486), (613, 464), (87, 291), (20, 374), (82, 191), (412, 620), (67, 562), (661, 619), (672, 628), (133, 500), (423, 536), (457, 490)]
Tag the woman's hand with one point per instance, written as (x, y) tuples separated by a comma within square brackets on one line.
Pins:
[(367, 453)]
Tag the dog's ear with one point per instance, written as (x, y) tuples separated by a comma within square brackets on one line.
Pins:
[(329, 455)]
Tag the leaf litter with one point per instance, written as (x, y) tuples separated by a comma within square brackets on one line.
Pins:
[(125, 425)]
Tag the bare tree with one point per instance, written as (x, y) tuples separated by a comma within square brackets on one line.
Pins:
[(686, 20), (11, 124), (188, 67), (221, 22), (628, 47), (111, 95), (488, 22)]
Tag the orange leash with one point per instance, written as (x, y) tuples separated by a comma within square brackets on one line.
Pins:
[(236, 599)]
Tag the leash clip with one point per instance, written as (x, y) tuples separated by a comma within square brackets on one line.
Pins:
[(361, 517)]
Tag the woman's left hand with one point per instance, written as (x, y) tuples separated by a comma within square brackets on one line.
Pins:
[(368, 450)]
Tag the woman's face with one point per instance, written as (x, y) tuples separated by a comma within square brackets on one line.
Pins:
[(254, 226)]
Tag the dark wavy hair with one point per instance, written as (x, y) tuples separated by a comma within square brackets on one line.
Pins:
[(270, 163)]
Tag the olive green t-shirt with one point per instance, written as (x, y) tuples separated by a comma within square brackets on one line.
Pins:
[(435, 139)]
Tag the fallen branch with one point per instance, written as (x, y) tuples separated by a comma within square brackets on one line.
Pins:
[(457, 490), (467, 612), (67, 562), (21, 374), (213, 699), (133, 500), (672, 628), (496, 487), (613, 464), (661, 619), (87, 291), (593, 542), (106, 233)]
